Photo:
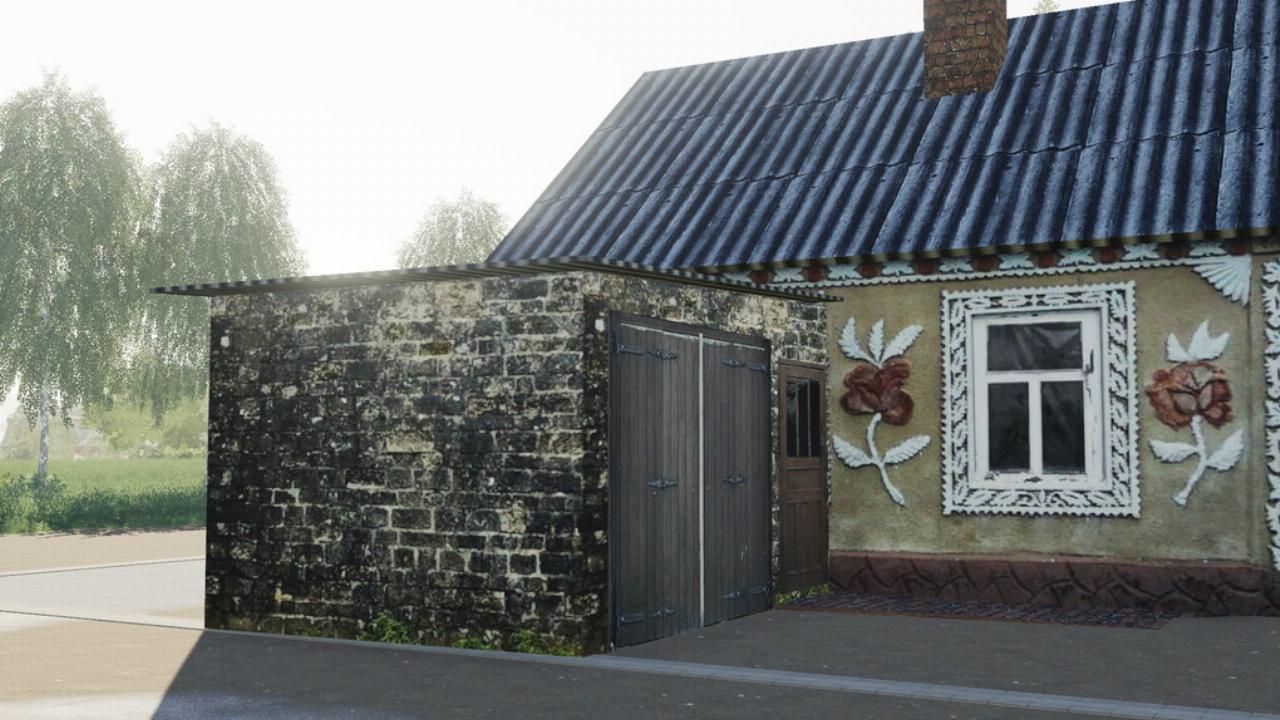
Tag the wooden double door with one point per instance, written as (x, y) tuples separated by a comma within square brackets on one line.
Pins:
[(689, 478)]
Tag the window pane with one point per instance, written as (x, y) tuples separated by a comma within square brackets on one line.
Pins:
[(793, 389), (815, 419), (1062, 422), (1008, 447), (1042, 346)]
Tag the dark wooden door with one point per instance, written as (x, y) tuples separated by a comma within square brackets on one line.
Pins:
[(736, 480), (689, 478), (653, 533), (802, 485)]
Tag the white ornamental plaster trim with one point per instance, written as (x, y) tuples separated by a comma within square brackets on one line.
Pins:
[(1271, 371), (1229, 274), (1201, 347), (1117, 495), (877, 353)]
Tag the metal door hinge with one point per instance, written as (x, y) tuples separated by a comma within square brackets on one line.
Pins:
[(661, 613), (734, 595), (735, 479), (734, 362), (624, 348), (761, 368), (632, 618), (759, 589), (662, 483), (662, 354)]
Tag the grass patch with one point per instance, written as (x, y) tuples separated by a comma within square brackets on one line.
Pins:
[(387, 629), (118, 475), (102, 494), (788, 597), (470, 643), (529, 641)]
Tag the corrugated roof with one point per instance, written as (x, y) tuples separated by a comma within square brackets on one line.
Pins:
[(1152, 119), (491, 269)]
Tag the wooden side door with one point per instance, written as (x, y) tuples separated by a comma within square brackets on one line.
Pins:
[(654, 498), (736, 479), (802, 462)]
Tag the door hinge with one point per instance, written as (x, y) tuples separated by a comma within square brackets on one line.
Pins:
[(734, 362), (760, 368), (659, 614), (735, 479), (662, 354), (734, 595), (759, 589), (624, 348), (662, 483)]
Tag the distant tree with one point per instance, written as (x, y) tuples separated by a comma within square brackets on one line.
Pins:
[(1046, 6), (69, 193), (132, 430), (465, 230), (215, 212)]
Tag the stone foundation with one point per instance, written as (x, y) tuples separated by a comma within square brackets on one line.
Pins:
[(1206, 588)]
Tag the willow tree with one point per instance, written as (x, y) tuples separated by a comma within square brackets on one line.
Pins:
[(216, 212), (68, 199), (453, 232)]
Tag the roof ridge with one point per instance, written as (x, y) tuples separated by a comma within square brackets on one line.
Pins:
[(913, 86)]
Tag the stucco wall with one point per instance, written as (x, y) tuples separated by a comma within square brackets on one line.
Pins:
[(1223, 520)]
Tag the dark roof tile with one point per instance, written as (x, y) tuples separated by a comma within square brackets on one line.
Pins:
[(1144, 119)]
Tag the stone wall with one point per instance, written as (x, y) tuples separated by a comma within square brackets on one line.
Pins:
[(436, 451)]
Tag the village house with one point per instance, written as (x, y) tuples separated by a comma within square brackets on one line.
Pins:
[(986, 312)]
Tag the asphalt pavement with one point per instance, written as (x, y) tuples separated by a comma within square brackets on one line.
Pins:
[(123, 641)]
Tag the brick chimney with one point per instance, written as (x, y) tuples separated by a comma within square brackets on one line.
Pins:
[(965, 42)]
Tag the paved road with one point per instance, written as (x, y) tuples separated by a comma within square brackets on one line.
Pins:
[(262, 677), (143, 657), (23, 553), (1215, 662), (164, 593)]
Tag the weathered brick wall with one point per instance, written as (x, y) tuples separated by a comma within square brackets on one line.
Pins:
[(433, 450), (965, 44)]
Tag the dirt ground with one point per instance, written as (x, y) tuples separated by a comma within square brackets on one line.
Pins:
[(24, 553)]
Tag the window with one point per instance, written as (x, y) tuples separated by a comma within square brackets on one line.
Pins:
[(1040, 410), (804, 423), (1036, 390)]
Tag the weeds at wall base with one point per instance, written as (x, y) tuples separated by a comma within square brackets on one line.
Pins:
[(386, 628)]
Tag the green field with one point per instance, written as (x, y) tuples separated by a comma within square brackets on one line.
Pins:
[(125, 475), (100, 494)]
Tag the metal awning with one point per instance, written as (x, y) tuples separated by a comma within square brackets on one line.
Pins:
[(475, 271)]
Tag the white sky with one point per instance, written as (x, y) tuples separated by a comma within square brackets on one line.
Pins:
[(374, 109)]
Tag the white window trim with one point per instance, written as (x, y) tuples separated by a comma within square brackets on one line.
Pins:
[(1110, 492), (1090, 376)]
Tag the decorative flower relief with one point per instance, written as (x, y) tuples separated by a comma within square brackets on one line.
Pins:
[(875, 387), (1188, 390), (878, 390), (1191, 393)]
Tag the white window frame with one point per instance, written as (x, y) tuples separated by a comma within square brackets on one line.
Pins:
[(1109, 487), (1088, 375)]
